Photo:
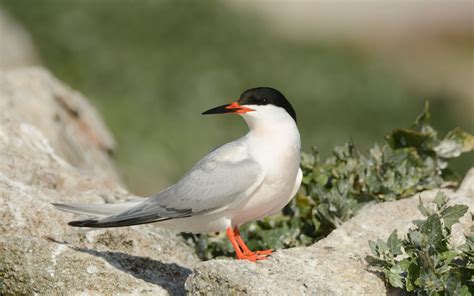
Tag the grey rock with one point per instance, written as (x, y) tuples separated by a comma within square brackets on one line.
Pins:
[(63, 116), (16, 46), (335, 265), (55, 148)]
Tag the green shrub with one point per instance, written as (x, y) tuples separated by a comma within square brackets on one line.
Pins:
[(412, 160), (424, 262)]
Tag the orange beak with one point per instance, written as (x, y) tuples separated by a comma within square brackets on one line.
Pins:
[(233, 107)]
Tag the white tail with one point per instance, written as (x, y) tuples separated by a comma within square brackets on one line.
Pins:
[(98, 210)]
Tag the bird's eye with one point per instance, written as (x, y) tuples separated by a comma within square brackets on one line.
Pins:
[(264, 100)]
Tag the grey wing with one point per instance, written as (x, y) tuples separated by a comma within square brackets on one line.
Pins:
[(221, 180)]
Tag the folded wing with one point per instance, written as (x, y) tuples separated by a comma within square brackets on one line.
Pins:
[(221, 180)]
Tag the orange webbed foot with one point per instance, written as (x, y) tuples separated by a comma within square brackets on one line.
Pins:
[(242, 251), (264, 252), (251, 257)]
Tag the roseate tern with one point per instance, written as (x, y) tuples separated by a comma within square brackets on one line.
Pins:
[(244, 180)]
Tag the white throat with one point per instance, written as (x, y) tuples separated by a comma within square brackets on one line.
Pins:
[(272, 131), (269, 119)]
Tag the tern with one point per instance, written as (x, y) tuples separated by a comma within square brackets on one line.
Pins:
[(241, 181)]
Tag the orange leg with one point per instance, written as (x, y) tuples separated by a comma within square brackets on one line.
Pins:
[(244, 247), (238, 251)]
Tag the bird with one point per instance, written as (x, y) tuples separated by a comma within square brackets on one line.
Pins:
[(244, 180)]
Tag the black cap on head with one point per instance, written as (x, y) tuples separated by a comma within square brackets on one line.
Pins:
[(266, 96)]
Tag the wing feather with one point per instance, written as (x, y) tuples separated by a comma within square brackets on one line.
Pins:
[(221, 180)]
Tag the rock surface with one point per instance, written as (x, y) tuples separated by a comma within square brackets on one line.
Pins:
[(335, 265), (64, 117), (16, 47), (54, 148)]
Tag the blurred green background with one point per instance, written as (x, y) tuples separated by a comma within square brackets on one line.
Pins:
[(151, 68)]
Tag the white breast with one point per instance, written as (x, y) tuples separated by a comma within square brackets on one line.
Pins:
[(276, 147)]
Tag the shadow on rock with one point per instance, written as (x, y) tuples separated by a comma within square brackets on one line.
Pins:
[(371, 261), (169, 276)]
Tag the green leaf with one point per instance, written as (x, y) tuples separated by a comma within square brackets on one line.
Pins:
[(416, 239), (413, 275), (394, 278), (423, 210), (321, 178), (432, 229), (453, 283), (448, 256), (382, 246), (378, 263), (307, 160), (456, 142), (464, 291), (373, 247), (452, 214), (440, 199), (394, 244), (401, 138)]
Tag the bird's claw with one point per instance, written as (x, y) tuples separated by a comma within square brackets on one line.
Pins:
[(252, 257), (255, 256), (264, 252)]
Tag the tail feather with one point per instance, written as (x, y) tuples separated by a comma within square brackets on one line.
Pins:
[(98, 210), (97, 223), (119, 214)]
